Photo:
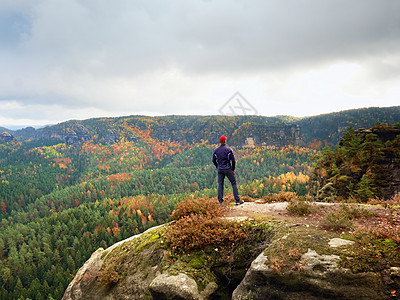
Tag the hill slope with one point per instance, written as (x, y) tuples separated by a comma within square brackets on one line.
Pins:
[(278, 131)]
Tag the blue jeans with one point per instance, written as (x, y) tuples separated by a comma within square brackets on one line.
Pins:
[(231, 176)]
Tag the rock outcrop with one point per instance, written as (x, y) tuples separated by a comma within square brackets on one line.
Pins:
[(86, 278), (320, 278), (89, 284), (6, 137), (142, 267), (267, 135), (112, 136), (141, 270), (78, 133), (180, 286)]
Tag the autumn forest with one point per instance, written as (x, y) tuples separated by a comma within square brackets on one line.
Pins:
[(68, 189)]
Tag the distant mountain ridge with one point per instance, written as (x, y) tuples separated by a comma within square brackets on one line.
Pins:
[(240, 130)]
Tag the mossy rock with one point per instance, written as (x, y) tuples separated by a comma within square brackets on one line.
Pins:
[(278, 249), (300, 263), (129, 267)]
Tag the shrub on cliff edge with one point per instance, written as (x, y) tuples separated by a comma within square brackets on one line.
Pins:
[(198, 224)]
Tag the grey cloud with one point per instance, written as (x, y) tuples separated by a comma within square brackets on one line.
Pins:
[(129, 37), (285, 33), (60, 49)]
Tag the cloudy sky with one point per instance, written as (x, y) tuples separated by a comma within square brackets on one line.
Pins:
[(76, 59)]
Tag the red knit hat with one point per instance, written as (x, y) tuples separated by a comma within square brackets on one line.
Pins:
[(222, 139)]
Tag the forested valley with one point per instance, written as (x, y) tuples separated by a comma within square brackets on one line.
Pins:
[(61, 201)]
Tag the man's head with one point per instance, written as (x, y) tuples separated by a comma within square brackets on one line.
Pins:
[(222, 139)]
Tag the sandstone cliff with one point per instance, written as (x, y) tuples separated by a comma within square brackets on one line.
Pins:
[(6, 137), (390, 155), (288, 260), (364, 165)]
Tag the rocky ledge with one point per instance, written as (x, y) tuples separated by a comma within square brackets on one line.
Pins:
[(287, 260)]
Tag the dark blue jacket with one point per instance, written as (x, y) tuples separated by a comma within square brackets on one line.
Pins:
[(222, 158)]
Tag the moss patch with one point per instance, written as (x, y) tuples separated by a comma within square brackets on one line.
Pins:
[(291, 240), (217, 263), (196, 265), (368, 254), (372, 254), (139, 253)]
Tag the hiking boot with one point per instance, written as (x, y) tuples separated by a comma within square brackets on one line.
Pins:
[(239, 202)]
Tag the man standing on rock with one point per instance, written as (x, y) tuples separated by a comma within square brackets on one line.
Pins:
[(224, 161)]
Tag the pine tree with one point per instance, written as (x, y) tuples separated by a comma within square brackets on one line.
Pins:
[(365, 189), (19, 290)]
